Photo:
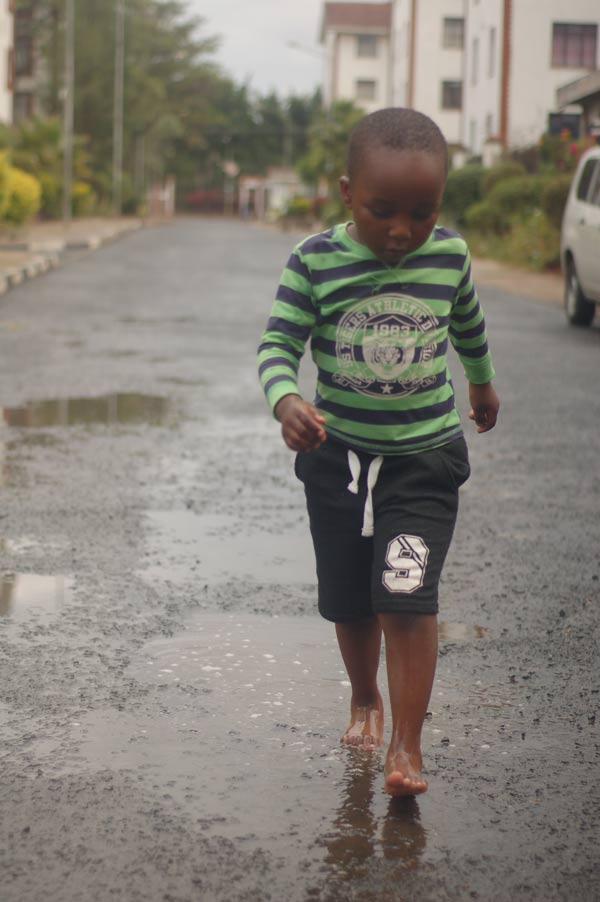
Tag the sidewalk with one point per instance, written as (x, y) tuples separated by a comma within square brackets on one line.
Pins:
[(536, 286), (34, 249)]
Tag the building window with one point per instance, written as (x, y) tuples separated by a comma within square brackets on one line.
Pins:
[(453, 33), (367, 45), (452, 95), (489, 125), (492, 56), (23, 56), (366, 89), (475, 62), (574, 45)]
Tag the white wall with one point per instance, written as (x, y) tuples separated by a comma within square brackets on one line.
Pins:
[(483, 73), (532, 78), (433, 62), (533, 83), (400, 50), (346, 68), (6, 42)]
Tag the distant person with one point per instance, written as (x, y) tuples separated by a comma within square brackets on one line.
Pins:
[(381, 451)]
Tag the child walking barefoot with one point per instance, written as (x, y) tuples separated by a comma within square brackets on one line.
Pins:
[(381, 451)]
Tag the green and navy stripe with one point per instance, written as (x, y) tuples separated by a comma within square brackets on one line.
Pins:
[(329, 278)]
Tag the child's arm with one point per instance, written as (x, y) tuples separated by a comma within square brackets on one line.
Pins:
[(292, 317), (485, 405), (468, 335), (302, 426)]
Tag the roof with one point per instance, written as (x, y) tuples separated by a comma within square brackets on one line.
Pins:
[(356, 16), (579, 90)]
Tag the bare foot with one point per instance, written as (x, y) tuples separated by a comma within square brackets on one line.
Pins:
[(403, 775), (366, 728)]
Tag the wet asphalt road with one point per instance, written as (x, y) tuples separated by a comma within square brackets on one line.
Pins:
[(170, 704)]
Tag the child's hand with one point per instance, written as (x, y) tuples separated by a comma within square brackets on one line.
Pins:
[(484, 406), (302, 426)]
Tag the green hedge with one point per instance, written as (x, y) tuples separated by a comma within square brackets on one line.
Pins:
[(463, 189)]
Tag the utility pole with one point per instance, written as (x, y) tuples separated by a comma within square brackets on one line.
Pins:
[(118, 107), (68, 110)]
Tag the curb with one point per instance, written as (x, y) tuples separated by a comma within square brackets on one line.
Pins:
[(48, 255)]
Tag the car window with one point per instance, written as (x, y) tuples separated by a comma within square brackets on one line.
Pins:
[(594, 196), (585, 179)]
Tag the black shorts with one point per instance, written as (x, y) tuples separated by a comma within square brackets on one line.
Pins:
[(414, 505)]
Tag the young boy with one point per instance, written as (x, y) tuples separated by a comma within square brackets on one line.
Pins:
[(381, 451)]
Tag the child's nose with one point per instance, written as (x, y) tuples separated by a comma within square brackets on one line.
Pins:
[(400, 227)]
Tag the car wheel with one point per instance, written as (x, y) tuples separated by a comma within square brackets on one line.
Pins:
[(579, 311)]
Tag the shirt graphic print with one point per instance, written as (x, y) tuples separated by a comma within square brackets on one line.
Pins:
[(385, 346)]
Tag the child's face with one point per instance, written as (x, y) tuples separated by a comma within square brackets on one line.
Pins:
[(395, 198)]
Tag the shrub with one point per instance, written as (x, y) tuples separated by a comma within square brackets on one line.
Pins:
[(554, 198), (298, 207), (533, 242), (486, 217), (51, 200), (24, 197), (463, 188), (83, 199), (334, 211), (4, 181), (500, 172)]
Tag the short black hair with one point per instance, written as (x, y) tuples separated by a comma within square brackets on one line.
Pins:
[(399, 128)]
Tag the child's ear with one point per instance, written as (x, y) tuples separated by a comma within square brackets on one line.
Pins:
[(346, 191)]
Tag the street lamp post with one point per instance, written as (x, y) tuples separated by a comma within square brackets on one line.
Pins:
[(68, 110), (118, 108)]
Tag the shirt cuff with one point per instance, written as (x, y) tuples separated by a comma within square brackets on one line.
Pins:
[(479, 372)]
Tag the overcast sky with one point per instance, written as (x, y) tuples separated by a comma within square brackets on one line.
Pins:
[(254, 41)]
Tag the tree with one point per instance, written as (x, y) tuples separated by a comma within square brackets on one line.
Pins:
[(325, 160)]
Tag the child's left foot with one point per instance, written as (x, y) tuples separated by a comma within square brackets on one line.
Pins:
[(403, 775)]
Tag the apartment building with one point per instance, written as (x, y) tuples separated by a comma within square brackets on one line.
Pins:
[(488, 71), (428, 46), (518, 53), (358, 57), (6, 60), (27, 69)]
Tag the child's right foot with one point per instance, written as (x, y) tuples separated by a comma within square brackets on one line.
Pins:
[(403, 775), (366, 728)]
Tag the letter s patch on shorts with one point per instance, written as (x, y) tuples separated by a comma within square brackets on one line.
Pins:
[(407, 556)]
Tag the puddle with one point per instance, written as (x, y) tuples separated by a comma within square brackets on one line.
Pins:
[(461, 632), (178, 380), (28, 545), (25, 595), (251, 709), (185, 544), (125, 407)]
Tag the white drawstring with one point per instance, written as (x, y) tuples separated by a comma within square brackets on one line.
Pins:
[(372, 475), (354, 464)]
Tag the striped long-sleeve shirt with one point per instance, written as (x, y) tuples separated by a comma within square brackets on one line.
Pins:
[(379, 338)]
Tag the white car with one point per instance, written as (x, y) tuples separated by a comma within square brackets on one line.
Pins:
[(580, 241)]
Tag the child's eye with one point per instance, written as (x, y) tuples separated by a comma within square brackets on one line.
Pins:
[(380, 212), (422, 215)]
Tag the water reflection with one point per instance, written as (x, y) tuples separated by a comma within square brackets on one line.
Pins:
[(24, 594), (403, 836), (358, 836), (124, 407)]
